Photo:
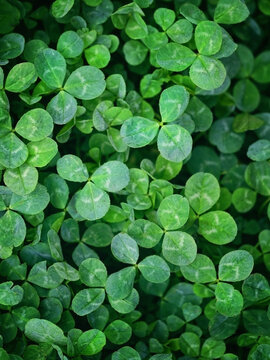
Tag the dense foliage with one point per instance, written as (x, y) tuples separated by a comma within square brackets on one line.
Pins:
[(135, 180)]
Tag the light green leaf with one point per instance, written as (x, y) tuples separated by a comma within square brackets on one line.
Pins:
[(10, 295), (181, 31), (135, 52), (174, 142), (257, 176), (179, 248), (98, 56), (70, 44), (173, 102), (201, 270), (31, 204), (62, 108), (202, 191), (12, 229), (244, 199), (138, 131), (43, 277), (208, 37), (189, 343), (175, 57), (218, 227), (71, 168), (35, 125), (44, 331), (229, 301), (93, 272), (58, 190), (87, 301), (259, 150), (125, 249), (119, 284), (22, 180), (91, 342), (154, 269), (92, 203), (20, 77), (207, 73), (11, 46), (13, 152), (146, 233), (164, 17), (41, 152), (230, 12), (112, 176), (86, 83), (173, 212), (51, 67), (126, 305), (61, 7), (126, 353), (214, 349), (235, 266)]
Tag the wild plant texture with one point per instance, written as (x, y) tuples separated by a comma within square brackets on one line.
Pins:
[(135, 180)]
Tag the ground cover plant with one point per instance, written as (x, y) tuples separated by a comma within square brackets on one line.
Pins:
[(135, 180)]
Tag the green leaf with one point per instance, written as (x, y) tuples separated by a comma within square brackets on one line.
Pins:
[(261, 71), (235, 266), (71, 168), (125, 249), (91, 342), (244, 122), (58, 190), (51, 67), (12, 229), (20, 77), (98, 235), (146, 233), (202, 191), (44, 331), (259, 150), (173, 212), (261, 352), (93, 272), (207, 73), (11, 46), (192, 13), (244, 199), (118, 332), (229, 301), (138, 131), (246, 95), (175, 57), (70, 44), (13, 151), (126, 305), (201, 270), (173, 102), (85, 83), (213, 349), (61, 7), (154, 269), (256, 288), (208, 37), (135, 52), (126, 353), (179, 248), (218, 227), (181, 31), (136, 27), (98, 56), (164, 17), (62, 108), (31, 204), (87, 301), (174, 142), (190, 344), (112, 176), (41, 152), (257, 176), (92, 203), (119, 284), (230, 12), (10, 295), (22, 180), (43, 277), (35, 125)]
